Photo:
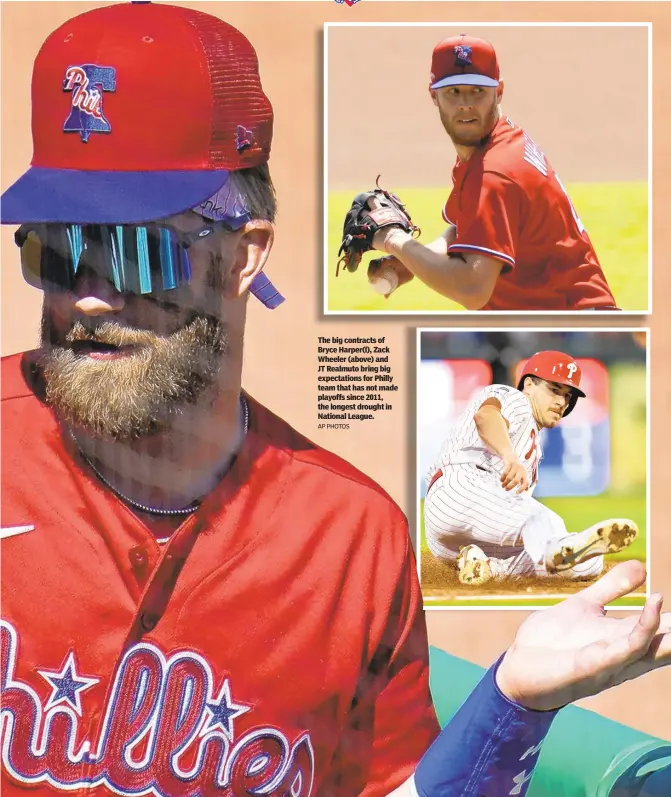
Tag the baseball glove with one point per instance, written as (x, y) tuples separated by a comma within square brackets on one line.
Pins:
[(371, 211)]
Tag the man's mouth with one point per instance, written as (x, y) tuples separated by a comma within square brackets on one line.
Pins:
[(98, 350)]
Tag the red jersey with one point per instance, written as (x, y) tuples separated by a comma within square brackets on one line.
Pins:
[(274, 645), (509, 204)]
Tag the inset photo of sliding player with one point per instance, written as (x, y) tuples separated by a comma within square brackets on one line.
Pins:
[(533, 461), (496, 168)]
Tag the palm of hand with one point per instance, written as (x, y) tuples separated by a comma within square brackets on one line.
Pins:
[(574, 650)]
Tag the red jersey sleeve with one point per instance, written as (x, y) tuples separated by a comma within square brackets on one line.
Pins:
[(488, 219), (448, 212), (392, 721)]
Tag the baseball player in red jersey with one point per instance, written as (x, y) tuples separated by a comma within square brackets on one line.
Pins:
[(515, 241), (479, 511), (196, 600), (201, 600)]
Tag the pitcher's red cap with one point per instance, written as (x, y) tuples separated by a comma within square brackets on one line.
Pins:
[(464, 61), (139, 111)]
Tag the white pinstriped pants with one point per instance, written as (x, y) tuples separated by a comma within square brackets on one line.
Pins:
[(467, 505)]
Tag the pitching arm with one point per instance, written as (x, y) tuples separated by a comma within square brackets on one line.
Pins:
[(444, 241), (467, 279), (438, 247), (493, 431)]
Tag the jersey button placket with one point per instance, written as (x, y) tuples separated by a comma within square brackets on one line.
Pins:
[(166, 574), (139, 561), (148, 621)]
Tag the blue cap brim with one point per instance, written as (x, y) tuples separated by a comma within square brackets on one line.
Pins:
[(466, 80), (96, 197)]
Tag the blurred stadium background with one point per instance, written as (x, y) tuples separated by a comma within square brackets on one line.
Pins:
[(595, 461)]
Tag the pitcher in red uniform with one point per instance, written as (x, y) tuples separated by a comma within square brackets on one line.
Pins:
[(515, 241)]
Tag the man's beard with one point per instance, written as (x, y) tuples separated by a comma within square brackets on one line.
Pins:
[(140, 393), (471, 137)]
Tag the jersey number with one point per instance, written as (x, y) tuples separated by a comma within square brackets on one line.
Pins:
[(533, 451)]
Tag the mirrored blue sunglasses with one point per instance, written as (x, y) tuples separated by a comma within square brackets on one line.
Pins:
[(138, 259)]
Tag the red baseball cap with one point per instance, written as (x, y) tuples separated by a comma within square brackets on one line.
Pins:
[(464, 61), (139, 111)]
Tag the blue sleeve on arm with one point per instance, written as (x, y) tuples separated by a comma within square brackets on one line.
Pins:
[(488, 749)]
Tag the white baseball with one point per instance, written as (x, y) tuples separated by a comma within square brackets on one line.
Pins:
[(385, 282)]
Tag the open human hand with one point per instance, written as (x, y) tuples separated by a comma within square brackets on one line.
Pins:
[(574, 650)]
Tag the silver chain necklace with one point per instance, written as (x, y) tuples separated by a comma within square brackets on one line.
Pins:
[(186, 510)]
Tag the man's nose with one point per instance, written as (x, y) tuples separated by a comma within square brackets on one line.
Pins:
[(94, 294)]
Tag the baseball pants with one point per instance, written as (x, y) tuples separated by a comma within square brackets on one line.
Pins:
[(466, 505)]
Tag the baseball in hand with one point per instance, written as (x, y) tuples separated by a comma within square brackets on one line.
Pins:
[(385, 282)]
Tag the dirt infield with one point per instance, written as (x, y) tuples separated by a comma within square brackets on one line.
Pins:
[(439, 580)]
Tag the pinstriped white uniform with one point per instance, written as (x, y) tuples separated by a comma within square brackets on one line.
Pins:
[(467, 505), (464, 445)]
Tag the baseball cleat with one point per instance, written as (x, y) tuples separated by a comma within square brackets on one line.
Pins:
[(609, 536), (473, 566)]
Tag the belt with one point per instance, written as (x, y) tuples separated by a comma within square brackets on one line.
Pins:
[(434, 479), (440, 473)]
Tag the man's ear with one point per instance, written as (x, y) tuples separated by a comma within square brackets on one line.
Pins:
[(252, 250), (499, 92), (432, 92)]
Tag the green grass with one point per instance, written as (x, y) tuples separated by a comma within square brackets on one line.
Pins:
[(614, 214), (578, 513), (625, 603)]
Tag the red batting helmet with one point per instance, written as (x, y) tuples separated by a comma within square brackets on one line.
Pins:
[(555, 366)]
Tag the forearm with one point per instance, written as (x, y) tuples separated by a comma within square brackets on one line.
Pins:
[(449, 276), (599, 750), (493, 431), (488, 749)]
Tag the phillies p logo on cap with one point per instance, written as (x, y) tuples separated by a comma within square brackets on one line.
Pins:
[(463, 54), (88, 83), (464, 61), (139, 111)]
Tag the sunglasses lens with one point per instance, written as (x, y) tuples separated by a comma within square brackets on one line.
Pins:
[(45, 256), (31, 258), (135, 259)]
